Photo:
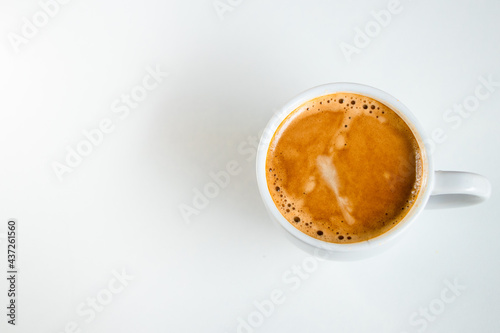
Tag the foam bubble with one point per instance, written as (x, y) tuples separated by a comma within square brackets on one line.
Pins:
[(339, 143), (310, 185)]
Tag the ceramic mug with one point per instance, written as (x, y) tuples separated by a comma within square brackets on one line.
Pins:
[(439, 189)]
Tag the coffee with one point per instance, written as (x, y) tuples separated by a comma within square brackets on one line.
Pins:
[(344, 168)]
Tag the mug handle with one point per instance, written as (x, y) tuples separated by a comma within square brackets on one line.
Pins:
[(458, 189)]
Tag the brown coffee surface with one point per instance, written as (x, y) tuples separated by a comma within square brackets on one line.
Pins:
[(344, 168)]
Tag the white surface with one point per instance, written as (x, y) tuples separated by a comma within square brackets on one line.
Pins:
[(120, 208)]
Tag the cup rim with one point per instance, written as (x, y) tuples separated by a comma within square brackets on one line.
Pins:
[(374, 93)]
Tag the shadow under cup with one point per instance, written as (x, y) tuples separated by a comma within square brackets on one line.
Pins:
[(347, 251)]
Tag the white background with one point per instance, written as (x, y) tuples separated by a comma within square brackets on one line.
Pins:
[(119, 209)]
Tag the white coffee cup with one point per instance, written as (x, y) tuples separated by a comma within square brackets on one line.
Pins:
[(439, 189)]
